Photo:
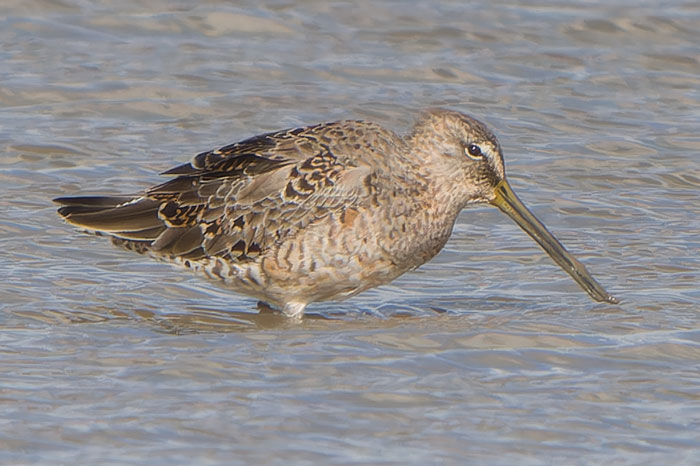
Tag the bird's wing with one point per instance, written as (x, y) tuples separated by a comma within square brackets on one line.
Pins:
[(238, 200)]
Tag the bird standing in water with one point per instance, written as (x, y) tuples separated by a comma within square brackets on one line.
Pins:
[(320, 212)]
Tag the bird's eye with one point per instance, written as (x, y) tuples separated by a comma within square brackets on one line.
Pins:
[(474, 152)]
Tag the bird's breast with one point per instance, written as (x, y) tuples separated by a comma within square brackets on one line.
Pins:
[(356, 248)]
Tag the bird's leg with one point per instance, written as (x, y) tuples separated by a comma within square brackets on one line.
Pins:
[(294, 310)]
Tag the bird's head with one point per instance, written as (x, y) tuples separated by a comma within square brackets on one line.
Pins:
[(466, 154)]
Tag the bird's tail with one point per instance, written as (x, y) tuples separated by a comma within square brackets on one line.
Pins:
[(134, 219)]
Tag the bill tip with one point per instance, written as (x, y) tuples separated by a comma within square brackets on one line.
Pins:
[(612, 299)]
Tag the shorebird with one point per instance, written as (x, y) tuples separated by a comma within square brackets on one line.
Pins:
[(320, 212)]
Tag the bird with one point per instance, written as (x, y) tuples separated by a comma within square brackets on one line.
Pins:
[(321, 212)]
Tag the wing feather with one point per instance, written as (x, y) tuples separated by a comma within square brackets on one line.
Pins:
[(236, 201)]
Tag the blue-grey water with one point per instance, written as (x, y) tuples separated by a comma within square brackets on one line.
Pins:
[(489, 354)]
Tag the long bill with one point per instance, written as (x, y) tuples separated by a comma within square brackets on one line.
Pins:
[(511, 205)]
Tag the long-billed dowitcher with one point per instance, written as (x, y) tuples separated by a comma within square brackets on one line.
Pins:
[(320, 212)]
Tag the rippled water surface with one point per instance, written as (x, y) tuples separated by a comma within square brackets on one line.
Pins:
[(488, 354)]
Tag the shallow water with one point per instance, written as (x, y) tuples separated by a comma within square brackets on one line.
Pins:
[(488, 354)]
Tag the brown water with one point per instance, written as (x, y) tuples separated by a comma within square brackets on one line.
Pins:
[(488, 354)]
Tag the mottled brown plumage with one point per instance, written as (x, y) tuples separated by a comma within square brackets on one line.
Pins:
[(320, 212)]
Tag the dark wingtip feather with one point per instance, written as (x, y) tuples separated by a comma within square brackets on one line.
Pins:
[(88, 204), (111, 214), (93, 201), (67, 211)]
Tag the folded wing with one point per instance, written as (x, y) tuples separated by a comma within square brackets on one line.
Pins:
[(233, 202)]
